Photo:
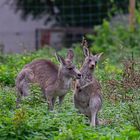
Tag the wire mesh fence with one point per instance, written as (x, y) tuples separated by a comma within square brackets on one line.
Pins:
[(66, 21), (88, 13), (77, 18)]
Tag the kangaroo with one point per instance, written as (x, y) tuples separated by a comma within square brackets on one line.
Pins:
[(87, 93), (54, 80)]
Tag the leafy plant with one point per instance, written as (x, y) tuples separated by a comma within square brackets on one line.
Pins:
[(112, 40), (134, 114), (128, 84)]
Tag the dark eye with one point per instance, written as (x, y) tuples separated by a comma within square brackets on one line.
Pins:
[(95, 62), (90, 60), (69, 68)]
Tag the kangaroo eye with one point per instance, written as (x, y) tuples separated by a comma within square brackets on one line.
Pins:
[(69, 68), (90, 60), (95, 62)]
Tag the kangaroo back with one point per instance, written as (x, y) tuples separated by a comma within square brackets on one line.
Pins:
[(42, 70)]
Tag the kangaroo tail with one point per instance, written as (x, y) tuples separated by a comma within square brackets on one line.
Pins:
[(22, 80)]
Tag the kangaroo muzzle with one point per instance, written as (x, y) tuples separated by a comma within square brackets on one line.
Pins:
[(92, 66), (78, 74)]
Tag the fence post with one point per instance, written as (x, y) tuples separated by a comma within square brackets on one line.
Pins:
[(132, 14), (36, 39)]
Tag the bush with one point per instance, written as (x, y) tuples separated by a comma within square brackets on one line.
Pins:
[(118, 40), (134, 114)]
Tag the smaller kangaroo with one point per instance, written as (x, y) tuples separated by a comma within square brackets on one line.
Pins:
[(53, 80), (87, 94)]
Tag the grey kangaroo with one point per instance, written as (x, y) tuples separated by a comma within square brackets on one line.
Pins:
[(87, 93), (53, 80)]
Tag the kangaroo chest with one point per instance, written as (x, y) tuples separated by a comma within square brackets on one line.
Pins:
[(83, 95), (63, 87), (83, 92)]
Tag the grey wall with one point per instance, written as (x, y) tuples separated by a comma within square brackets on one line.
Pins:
[(16, 33)]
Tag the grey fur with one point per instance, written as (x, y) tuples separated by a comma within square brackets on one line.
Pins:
[(87, 94), (53, 80)]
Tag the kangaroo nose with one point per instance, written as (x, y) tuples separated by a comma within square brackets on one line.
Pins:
[(92, 66), (79, 75)]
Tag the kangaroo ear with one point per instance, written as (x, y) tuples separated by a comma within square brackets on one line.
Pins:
[(60, 59), (98, 56), (86, 51), (70, 54)]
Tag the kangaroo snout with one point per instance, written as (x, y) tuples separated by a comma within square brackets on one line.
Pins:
[(92, 66), (79, 75)]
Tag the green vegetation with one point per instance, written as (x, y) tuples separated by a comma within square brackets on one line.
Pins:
[(120, 80)]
